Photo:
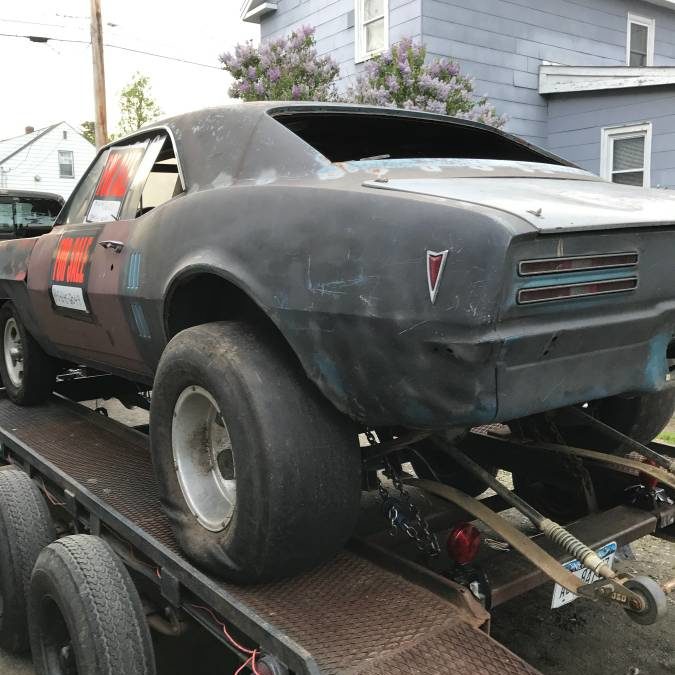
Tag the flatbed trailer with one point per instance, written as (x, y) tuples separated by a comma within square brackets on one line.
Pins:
[(373, 609)]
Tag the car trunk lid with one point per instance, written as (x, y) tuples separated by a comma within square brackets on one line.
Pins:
[(550, 198)]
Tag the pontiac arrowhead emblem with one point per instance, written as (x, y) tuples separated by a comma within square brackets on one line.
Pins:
[(435, 265)]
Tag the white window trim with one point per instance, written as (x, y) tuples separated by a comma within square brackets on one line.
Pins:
[(610, 134), (72, 164), (651, 29), (360, 32)]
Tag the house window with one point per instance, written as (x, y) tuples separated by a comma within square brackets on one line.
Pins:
[(372, 28), (626, 154), (640, 44), (66, 164)]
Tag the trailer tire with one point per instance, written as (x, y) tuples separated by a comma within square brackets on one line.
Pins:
[(286, 497), (85, 614), (25, 529), (28, 373)]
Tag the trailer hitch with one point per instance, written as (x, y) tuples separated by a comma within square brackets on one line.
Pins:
[(642, 598)]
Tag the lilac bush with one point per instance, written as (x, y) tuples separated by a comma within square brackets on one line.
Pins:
[(400, 78), (285, 69)]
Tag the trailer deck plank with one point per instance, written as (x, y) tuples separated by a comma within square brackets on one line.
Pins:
[(350, 614)]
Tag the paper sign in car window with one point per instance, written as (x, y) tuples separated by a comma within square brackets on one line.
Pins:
[(114, 183)]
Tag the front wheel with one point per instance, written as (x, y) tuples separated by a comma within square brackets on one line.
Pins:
[(258, 473), (28, 374)]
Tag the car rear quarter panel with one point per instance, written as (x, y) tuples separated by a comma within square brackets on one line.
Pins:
[(341, 270)]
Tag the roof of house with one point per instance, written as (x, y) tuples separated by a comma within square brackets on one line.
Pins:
[(253, 10), (12, 146), (556, 79)]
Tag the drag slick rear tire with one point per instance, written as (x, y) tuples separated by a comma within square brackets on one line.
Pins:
[(557, 494), (28, 374), (258, 473), (640, 417)]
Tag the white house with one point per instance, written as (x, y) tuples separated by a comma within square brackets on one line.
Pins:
[(50, 159)]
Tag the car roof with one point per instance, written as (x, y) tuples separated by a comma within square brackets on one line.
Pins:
[(35, 194)]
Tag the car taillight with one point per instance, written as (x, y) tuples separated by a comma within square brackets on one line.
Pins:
[(579, 263), (463, 543), (528, 296)]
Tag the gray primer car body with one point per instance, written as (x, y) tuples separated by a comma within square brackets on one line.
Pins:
[(335, 254)]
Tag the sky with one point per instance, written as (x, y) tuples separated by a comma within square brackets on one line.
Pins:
[(47, 83)]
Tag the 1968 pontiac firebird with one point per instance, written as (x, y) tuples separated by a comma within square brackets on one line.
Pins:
[(285, 276)]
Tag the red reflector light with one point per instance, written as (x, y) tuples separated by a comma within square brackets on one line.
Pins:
[(577, 263), (547, 293), (463, 543)]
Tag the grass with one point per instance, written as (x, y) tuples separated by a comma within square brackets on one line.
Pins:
[(666, 437)]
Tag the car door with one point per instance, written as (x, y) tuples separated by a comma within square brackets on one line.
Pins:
[(76, 291)]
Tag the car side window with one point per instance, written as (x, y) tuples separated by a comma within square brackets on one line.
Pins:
[(163, 182), (76, 207), (126, 181), (116, 181), (158, 179)]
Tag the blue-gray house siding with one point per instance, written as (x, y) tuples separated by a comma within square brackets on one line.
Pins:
[(574, 121), (334, 23), (503, 43)]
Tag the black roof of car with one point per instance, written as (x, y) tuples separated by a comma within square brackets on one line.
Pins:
[(28, 194)]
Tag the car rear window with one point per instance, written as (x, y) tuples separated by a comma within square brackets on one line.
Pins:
[(352, 135)]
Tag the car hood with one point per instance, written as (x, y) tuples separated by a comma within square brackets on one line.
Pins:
[(573, 200)]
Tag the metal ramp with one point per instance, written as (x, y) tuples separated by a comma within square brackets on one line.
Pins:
[(350, 615)]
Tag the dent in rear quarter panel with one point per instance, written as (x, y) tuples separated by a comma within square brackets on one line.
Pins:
[(341, 270), (567, 351), (348, 269)]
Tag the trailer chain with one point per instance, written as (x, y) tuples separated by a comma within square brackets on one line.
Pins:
[(400, 512)]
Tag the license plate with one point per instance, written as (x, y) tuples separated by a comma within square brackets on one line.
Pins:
[(561, 596)]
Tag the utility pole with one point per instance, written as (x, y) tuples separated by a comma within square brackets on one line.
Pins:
[(101, 121)]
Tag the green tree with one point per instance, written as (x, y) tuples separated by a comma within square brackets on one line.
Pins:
[(87, 129), (137, 107)]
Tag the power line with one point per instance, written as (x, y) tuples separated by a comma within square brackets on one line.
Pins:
[(42, 39)]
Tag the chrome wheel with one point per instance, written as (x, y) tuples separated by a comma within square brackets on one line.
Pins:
[(13, 347), (203, 460)]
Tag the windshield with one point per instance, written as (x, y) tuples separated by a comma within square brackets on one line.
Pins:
[(18, 214)]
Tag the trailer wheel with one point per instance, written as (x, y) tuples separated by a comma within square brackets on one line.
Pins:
[(656, 603), (85, 615), (258, 473), (25, 529), (28, 374)]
